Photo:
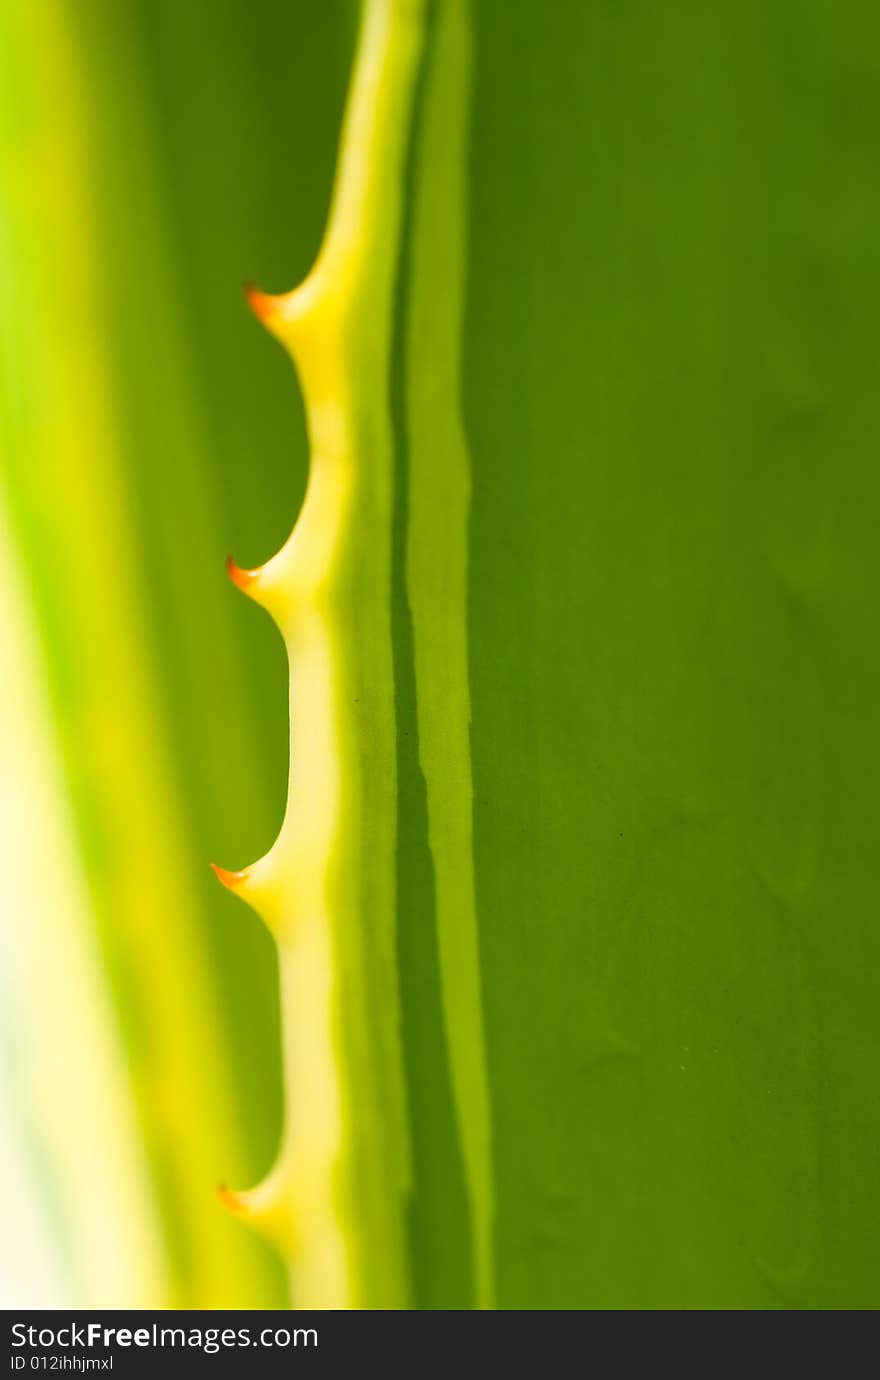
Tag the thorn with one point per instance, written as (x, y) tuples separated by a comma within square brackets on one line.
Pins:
[(258, 885), (264, 305), (242, 579), (264, 1210), (232, 1201), (287, 315), (271, 585), (233, 881)]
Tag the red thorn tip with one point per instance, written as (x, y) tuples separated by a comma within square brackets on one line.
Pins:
[(262, 304), (232, 880), (243, 579)]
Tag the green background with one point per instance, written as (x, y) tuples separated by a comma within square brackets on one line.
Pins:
[(670, 398)]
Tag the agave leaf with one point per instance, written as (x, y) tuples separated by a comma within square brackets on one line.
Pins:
[(672, 425), (594, 1010)]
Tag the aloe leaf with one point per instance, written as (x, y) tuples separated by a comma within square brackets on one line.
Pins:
[(438, 494), (574, 901), (67, 498), (671, 426), (62, 1063), (334, 1201)]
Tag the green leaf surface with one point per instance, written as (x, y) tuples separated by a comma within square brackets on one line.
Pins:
[(632, 389), (671, 407)]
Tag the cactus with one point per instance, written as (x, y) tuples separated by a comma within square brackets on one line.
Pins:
[(438, 497), (334, 1201), (60, 1048), (59, 436), (574, 901)]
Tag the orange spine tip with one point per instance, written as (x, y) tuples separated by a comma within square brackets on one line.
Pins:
[(231, 880), (242, 579), (231, 1200), (263, 304)]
